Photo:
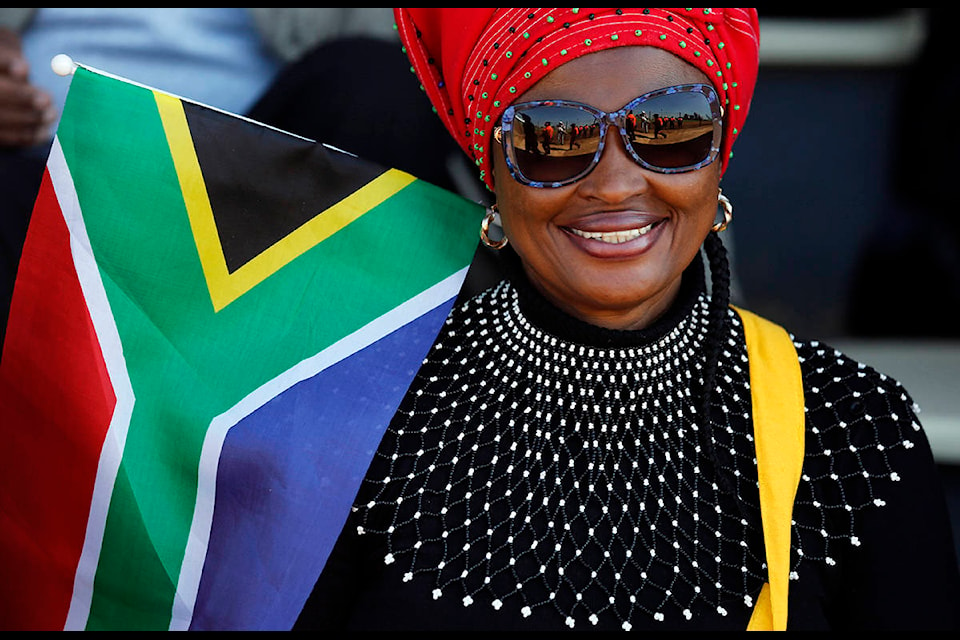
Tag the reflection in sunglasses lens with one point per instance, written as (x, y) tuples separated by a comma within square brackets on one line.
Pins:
[(671, 131), (553, 143)]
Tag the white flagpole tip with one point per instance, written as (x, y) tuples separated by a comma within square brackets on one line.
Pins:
[(62, 64)]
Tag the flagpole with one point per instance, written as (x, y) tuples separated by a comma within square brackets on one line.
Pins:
[(62, 64)]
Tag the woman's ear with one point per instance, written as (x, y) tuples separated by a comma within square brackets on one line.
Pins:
[(493, 163), (496, 150)]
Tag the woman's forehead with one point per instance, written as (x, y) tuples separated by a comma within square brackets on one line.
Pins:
[(609, 78)]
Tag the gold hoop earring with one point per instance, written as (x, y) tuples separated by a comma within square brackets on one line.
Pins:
[(727, 213), (492, 217)]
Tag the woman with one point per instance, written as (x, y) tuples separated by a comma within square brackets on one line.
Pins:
[(595, 442)]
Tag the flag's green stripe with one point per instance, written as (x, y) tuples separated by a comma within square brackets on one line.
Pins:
[(188, 364)]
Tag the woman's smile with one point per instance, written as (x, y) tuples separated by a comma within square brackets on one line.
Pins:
[(615, 237), (612, 237)]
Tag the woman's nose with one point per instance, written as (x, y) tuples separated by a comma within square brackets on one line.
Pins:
[(617, 175)]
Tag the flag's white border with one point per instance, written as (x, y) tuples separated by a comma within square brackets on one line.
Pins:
[(106, 329), (199, 538)]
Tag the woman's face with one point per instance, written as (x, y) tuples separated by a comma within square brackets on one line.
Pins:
[(630, 284)]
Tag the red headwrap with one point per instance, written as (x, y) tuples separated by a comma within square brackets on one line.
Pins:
[(473, 63)]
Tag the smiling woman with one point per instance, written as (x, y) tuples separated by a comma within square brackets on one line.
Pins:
[(570, 238), (599, 440)]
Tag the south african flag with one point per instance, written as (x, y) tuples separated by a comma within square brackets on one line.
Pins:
[(212, 324)]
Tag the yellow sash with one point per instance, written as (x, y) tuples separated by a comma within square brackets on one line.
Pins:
[(778, 429)]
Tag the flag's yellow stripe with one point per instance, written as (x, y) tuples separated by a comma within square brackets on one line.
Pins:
[(225, 287), (194, 191)]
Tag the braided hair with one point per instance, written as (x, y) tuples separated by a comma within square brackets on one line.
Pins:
[(717, 318)]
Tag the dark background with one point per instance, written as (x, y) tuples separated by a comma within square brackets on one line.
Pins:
[(846, 225)]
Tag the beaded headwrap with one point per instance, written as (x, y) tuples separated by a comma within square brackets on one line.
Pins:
[(473, 63)]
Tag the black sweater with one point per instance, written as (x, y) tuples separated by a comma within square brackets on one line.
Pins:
[(543, 473)]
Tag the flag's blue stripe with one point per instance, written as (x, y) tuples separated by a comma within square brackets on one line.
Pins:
[(288, 474)]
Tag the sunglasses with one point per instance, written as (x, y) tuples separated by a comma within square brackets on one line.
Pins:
[(552, 143)]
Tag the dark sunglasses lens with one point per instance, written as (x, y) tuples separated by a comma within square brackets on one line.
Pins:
[(554, 143), (673, 130)]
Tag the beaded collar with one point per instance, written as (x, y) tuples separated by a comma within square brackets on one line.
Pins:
[(549, 470), (561, 470)]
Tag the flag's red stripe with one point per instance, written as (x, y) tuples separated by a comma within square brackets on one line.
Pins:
[(55, 405)]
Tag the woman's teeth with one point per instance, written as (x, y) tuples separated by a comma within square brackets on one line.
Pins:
[(613, 237)]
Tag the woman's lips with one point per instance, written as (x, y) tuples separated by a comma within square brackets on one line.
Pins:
[(613, 237), (615, 240)]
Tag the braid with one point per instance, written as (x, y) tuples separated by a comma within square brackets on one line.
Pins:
[(716, 323)]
